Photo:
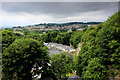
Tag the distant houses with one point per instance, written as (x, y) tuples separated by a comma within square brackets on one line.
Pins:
[(60, 47), (46, 27), (91, 25), (80, 29), (74, 78)]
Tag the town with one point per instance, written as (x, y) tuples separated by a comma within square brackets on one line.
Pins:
[(55, 26)]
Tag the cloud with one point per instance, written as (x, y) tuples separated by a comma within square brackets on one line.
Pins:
[(59, 0), (23, 13), (59, 8)]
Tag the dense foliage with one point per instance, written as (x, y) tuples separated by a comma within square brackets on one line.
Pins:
[(61, 65), (58, 37), (76, 38), (49, 36), (7, 38), (19, 58), (101, 47), (64, 38)]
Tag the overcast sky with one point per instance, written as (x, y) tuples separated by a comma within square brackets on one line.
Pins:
[(25, 13)]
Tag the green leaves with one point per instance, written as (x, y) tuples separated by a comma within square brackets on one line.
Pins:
[(95, 70), (7, 38), (61, 64), (76, 38), (20, 57), (101, 48)]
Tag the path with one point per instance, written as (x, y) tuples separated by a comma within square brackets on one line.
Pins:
[(78, 49)]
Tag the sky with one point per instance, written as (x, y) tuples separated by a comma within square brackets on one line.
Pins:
[(30, 13)]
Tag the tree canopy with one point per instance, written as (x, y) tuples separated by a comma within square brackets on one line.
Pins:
[(23, 54), (7, 38), (101, 45), (61, 65)]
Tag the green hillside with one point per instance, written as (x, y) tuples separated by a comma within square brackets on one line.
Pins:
[(99, 58)]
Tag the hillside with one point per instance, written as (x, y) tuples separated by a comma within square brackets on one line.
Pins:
[(99, 57)]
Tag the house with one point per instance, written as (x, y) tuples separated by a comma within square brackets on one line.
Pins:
[(74, 78), (80, 29)]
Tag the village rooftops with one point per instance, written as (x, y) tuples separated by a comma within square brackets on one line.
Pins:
[(60, 47)]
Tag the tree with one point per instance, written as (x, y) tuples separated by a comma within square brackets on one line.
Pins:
[(7, 38), (53, 36), (95, 70), (74, 29), (19, 58), (26, 32), (64, 38), (76, 38), (10, 29), (49, 36), (61, 64)]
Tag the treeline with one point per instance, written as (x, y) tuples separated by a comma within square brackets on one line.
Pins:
[(62, 24), (57, 36), (70, 38), (67, 24)]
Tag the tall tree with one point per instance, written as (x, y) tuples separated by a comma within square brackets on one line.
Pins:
[(19, 59)]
